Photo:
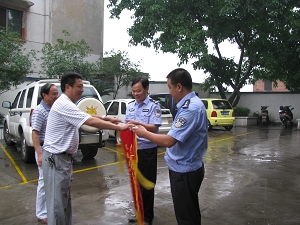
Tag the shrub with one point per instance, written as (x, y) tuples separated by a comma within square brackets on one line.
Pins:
[(241, 111)]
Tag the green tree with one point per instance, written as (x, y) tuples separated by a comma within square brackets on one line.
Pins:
[(14, 63), (185, 27), (285, 49), (65, 56), (118, 70), (108, 74)]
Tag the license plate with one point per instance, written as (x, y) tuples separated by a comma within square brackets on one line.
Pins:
[(224, 113)]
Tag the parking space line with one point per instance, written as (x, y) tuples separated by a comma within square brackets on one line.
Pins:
[(3, 187), (25, 181), (14, 164), (110, 149)]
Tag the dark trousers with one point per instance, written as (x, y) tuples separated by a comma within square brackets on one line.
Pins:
[(185, 188), (147, 164)]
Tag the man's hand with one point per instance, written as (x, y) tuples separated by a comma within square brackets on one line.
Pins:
[(125, 126), (133, 122), (39, 160), (139, 130)]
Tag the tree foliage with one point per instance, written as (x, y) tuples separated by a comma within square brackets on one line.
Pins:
[(107, 74), (67, 56), (265, 32), (119, 70), (15, 64)]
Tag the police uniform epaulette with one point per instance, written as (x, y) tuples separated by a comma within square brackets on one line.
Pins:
[(152, 100), (131, 101), (186, 104)]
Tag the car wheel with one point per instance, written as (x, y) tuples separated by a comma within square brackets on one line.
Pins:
[(209, 125), (118, 138), (89, 151), (27, 152), (228, 127), (7, 136)]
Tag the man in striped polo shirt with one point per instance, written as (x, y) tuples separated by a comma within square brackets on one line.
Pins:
[(49, 94), (61, 141)]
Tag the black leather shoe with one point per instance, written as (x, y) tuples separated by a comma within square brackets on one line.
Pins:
[(132, 220)]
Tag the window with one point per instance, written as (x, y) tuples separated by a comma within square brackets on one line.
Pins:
[(89, 92), (22, 99), (29, 97), (123, 108), (268, 85), (14, 104), (205, 103), (11, 20), (106, 105), (221, 104), (113, 109)]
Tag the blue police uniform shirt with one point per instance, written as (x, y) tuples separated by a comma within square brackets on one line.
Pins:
[(148, 112), (189, 128)]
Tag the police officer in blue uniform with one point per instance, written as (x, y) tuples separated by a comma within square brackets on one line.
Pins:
[(146, 112), (186, 144)]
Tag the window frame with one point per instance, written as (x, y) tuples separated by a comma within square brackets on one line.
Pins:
[(23, 29)]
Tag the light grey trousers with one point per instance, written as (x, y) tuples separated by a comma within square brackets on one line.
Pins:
[(40, 205), (57, 180)]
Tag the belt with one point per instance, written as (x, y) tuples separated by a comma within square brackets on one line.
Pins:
[(62, 153), (65, 153)]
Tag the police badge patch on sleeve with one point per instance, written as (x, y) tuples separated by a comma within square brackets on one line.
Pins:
[(157, 113), (180, 122)]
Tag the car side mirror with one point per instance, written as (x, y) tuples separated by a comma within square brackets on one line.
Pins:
[(6, 104)]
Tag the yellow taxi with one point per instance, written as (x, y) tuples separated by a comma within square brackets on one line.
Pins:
[(219, 113)]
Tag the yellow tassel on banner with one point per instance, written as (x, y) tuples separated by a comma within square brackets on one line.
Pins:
[(120, 155), (143, 181)]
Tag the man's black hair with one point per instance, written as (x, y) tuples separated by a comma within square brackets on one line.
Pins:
[(70, 79), (181, 76), (144, 81), (45, 89)]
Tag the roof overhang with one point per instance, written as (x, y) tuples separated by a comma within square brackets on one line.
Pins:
[(21, 4)]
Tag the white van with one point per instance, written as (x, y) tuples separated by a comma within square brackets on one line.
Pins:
[(17, 122)]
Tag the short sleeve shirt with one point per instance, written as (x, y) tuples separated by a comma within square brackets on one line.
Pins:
[(189, 128), (64, 121), (39, 119), (148, 112)]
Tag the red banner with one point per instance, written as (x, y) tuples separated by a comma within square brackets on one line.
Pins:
[(129, 145)]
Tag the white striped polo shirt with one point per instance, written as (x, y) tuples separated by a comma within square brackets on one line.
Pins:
[(39, 119), (64, 120)]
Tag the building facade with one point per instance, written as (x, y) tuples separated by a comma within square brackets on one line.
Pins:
[(268, 86), (42, 21)]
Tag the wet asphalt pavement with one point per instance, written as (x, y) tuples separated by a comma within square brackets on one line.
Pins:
[(252, 177)]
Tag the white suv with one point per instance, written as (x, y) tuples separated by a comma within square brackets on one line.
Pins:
[(17, 122)]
